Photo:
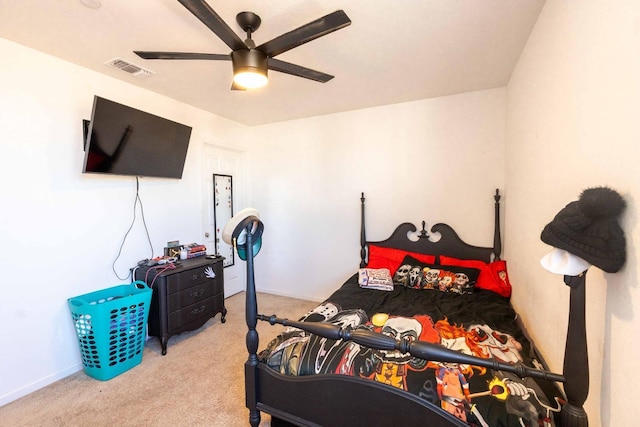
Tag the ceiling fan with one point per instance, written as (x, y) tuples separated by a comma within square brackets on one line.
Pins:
[(250, 63)]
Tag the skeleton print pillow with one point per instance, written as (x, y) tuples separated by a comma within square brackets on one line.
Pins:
[(418, 275)]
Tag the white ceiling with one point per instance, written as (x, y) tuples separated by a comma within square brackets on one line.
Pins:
[(394, 51)]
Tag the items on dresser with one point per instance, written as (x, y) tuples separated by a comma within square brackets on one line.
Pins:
[(185, 295), (195, 250), (188, 251)]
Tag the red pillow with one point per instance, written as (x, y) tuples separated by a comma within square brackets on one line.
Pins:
[(391, 259), (493, 276)]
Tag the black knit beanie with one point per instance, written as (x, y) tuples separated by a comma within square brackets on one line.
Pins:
[(589, 228)]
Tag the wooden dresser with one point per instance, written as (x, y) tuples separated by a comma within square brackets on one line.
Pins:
[(184, 298)]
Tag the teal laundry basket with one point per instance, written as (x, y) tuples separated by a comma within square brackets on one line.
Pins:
[(111, 328)]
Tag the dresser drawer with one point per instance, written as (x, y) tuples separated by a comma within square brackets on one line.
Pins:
[(194, 294), (185, 279), (196, 314)]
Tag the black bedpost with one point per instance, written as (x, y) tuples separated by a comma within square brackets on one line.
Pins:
[(497, 238), (363, 237), (251, 365), (576, 359)]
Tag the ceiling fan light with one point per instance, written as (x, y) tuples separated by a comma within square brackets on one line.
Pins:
[(249, 68), (250, 79)]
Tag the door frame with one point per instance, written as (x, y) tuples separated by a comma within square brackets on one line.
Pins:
[(239, 200)]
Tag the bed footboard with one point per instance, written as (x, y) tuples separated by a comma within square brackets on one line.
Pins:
[(339, 400)]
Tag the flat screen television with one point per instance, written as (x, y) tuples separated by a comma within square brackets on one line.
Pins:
[(121, 140)]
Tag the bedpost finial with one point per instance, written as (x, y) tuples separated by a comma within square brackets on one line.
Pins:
[(497, 196), (423, 232)]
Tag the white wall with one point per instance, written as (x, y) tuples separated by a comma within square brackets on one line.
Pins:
[(61, 229), (572, 123), (427, 160)]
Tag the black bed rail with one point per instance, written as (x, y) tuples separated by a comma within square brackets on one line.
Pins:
[(421, 349), (497, 238), (363, 235)]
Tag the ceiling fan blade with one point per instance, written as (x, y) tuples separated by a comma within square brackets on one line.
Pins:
[(311, 31), (297, 70), (182, 55), (214, 22)]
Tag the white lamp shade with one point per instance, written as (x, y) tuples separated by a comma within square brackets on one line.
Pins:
[(227, 231)]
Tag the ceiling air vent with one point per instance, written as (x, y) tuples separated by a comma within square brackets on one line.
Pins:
[(130, 68)]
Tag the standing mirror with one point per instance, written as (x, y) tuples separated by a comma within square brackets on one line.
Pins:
[(222, 213)]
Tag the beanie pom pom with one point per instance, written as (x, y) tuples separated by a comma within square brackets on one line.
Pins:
[(601, 202)]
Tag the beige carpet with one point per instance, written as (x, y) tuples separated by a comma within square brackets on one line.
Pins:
[(200, 382)]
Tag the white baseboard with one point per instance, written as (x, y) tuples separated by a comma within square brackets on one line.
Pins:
[(286, 294), (37, 385)]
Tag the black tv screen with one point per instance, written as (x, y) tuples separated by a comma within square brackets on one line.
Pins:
[(125, 141)]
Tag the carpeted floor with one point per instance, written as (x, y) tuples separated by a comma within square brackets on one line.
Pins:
[(200, 381)]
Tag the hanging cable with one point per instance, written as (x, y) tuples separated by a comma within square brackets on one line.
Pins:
[(124, 239)]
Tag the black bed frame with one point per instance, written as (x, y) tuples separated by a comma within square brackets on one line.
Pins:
[(328, 400)]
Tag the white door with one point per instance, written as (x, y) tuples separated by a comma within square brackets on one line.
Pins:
[(223, 161)]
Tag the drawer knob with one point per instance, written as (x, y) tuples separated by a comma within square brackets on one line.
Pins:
[(197, 293), (197, 311)]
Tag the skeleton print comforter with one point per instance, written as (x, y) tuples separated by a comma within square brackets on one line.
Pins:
[(481, 324)]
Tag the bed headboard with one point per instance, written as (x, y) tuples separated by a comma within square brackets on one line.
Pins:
[(449, 243)]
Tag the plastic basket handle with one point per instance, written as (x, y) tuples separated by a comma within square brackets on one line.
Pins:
[(77, 302), (139, 284)]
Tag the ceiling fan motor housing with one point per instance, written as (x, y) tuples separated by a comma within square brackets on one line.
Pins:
[(249, 62)]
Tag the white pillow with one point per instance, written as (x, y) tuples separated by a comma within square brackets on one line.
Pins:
[(372, 278)]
